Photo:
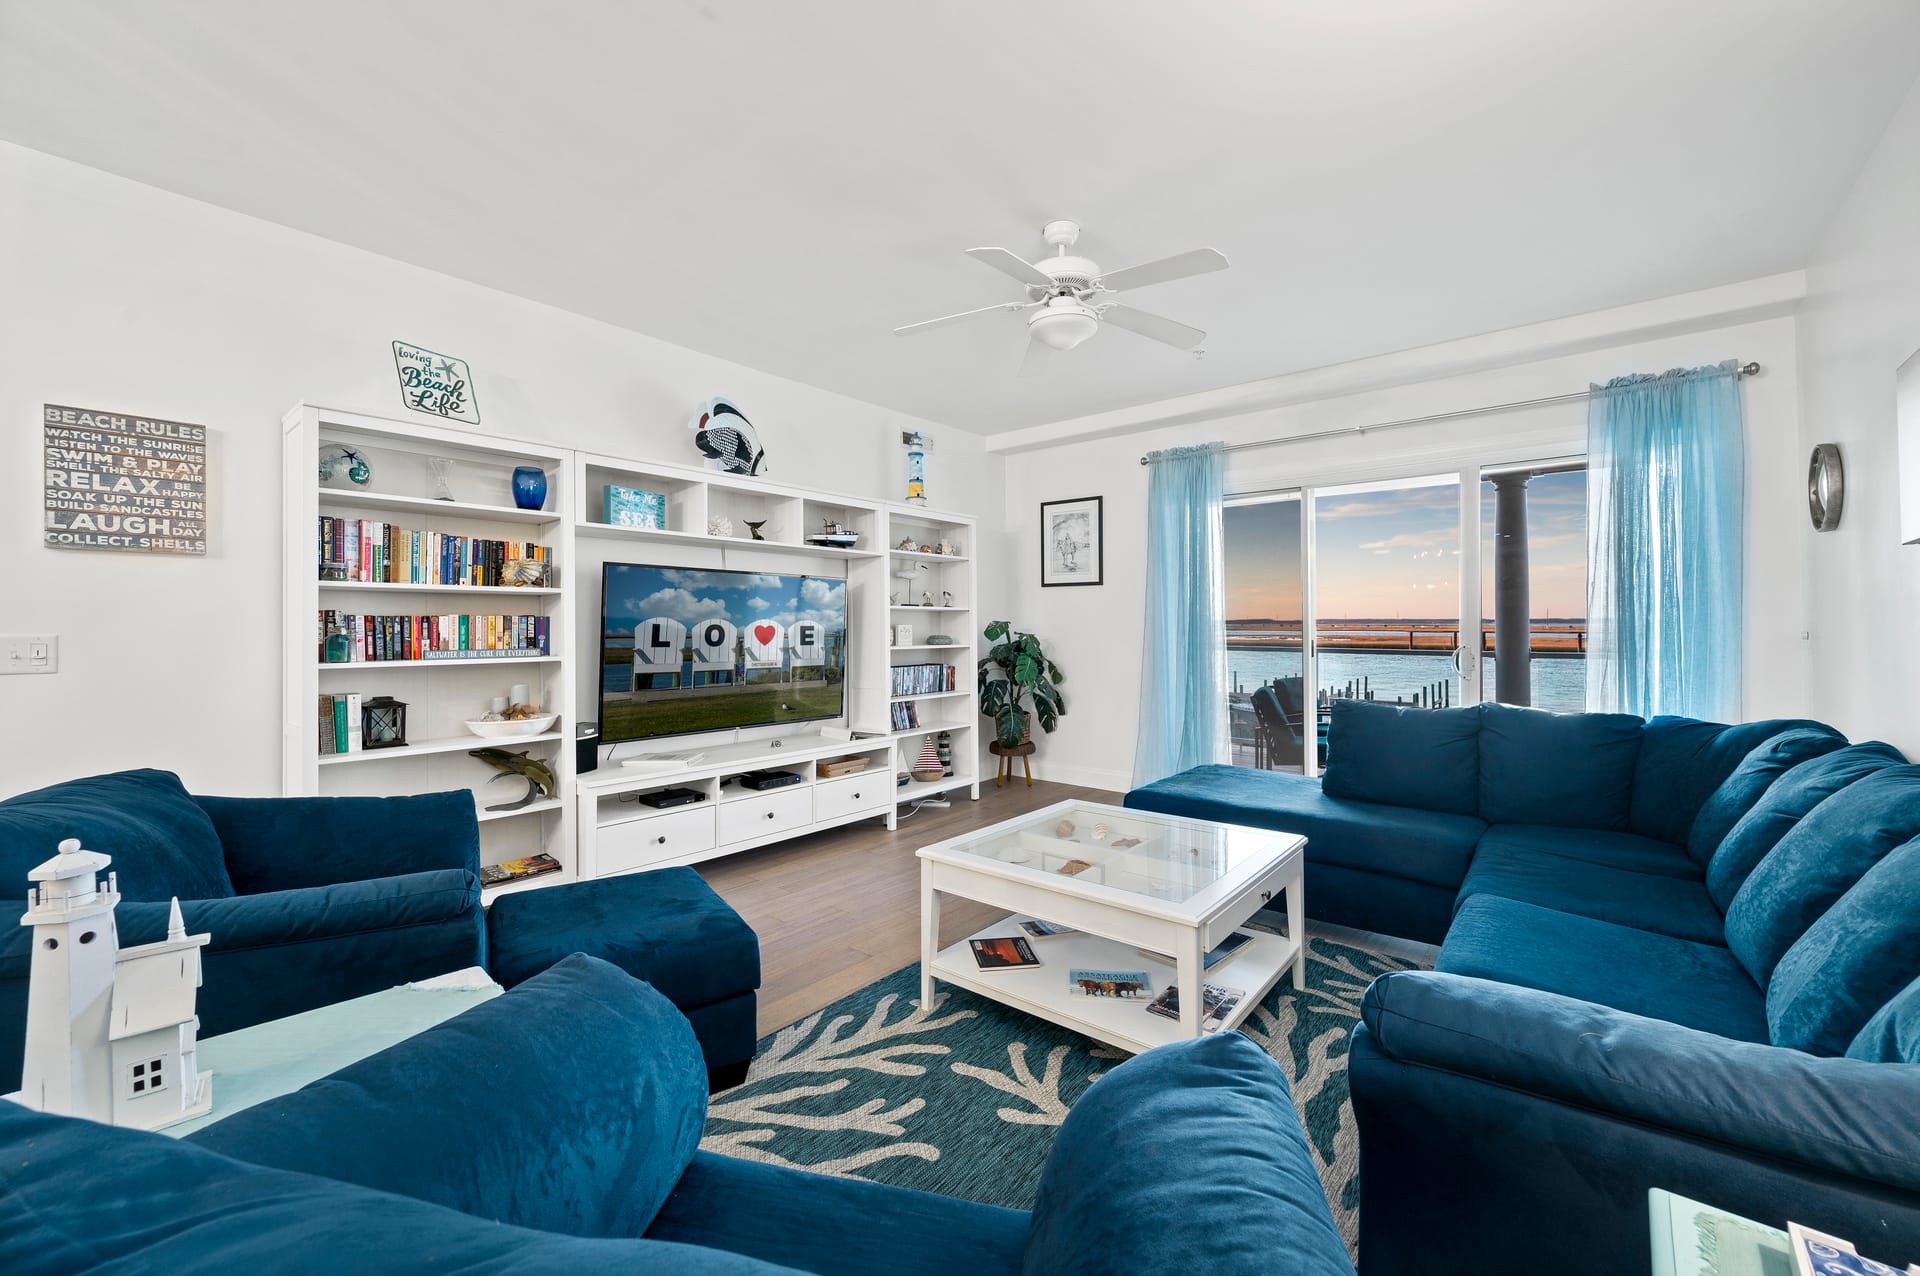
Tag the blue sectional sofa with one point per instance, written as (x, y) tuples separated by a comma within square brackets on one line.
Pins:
[(1673, 954), (487, 1144), (314, 900)]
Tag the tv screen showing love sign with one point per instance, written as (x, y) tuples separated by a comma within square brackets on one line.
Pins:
[(684, 651)]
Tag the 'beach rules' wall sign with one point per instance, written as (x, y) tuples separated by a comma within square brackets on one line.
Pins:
[(435, 383), (123, 482)]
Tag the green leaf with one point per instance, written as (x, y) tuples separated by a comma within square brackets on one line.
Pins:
[(1030, 645), (996, 630), (1026, 670), (1053, 672), (1009, 725), (1047, 717), (993, 697)]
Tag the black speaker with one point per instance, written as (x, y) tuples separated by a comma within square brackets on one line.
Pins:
[(586, 748)]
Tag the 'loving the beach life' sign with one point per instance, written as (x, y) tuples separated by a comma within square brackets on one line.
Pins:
[(435, 383), (117, 481)]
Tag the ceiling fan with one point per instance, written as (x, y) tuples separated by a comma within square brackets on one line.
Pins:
[(1067, 295)]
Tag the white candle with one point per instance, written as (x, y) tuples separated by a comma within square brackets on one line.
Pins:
[(517, 694)]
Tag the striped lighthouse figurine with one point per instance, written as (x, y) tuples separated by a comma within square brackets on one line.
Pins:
[(112, 1034)]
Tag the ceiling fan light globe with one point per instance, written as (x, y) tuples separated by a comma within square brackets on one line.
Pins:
[(1063, 326)]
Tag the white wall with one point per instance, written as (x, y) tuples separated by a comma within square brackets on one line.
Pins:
[(117, 295), (1094, 633), (1860, 321)]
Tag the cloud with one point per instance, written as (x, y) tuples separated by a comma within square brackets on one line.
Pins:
[(689, 579), (758, 602), (815, 592), (679, 604)]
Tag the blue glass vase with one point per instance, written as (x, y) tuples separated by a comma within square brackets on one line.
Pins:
[(529, 487)]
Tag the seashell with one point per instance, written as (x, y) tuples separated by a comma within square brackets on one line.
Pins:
[(719, 525), (1101, 832), (1063, 829)]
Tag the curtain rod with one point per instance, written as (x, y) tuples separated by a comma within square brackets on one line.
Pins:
[(1744, 370)]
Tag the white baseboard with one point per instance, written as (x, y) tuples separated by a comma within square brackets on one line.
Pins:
[(1044, 768)]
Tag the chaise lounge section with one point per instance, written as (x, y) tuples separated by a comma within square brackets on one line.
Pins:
[(1673, 954)]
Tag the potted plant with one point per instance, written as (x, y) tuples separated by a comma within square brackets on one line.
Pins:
[(1017, 684)]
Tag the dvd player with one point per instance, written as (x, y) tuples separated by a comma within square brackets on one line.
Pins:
[(672, 797), (769, 779)]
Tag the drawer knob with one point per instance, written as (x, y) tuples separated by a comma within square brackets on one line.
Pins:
[(856, 797), (662, 839), (1265, 896), (769, 814)]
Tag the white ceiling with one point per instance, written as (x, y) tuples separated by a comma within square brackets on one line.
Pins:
[(782, 183)]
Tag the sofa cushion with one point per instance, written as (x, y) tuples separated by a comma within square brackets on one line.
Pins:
[(1196, 1139), (1784, 804), (161, 842), (667, 927), (1423, 846), (1566, 769), (610, 1097), (1817, 862), (1893, 1034), (278, 844), (1627, 851), (847, 1226), (1677, 906), (1749, 782), (1682, 761), (1852, 961), (1696, 985), (1424, 758), (79, 1196)]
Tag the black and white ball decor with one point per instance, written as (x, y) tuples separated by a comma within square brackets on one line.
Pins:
[(723, 433)]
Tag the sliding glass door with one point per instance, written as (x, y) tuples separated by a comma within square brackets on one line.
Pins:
[(1365, 591)]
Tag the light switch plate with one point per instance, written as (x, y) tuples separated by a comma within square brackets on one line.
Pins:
[(29, 653)]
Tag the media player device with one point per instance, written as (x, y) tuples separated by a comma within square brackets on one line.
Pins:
[(673, 797), (769, 779)]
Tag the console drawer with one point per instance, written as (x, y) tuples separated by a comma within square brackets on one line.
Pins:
[(870, 790), (764, 813), (655, 839)]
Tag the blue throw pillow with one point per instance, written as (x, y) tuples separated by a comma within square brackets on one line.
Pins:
[(1683, 760), (1853, 960), (1749, 782), (1817, 863), (1423, 758), (1784, 805), (1893, 1034), (1569, 770), (161, 842), (1196, 1139)]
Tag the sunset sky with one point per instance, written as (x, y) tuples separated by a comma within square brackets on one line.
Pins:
[(1394, 554)]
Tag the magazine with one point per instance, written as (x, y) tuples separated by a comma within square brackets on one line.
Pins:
[(517, 870), (1046, 930), (1003, 953), (1219, 1003), (1269, 921), (1220, 952), (1125, 984)]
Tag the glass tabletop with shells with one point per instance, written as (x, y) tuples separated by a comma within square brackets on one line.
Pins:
[(1162, 857)]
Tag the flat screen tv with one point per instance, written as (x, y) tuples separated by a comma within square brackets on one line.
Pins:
[(684, 651)]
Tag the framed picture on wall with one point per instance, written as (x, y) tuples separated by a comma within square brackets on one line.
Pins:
[(1070, 542)]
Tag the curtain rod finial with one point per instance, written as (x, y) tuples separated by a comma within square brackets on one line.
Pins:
[(1749, 369)]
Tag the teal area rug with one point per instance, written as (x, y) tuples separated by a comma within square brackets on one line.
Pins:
[(963, 1098)]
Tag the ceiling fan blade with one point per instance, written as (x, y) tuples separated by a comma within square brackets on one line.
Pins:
[(1178, 266), (944, 320), (1038, 358), (1155, 326), (1009, 263)]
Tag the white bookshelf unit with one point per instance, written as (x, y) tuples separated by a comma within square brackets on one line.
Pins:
[(595, 825), (440, 694)]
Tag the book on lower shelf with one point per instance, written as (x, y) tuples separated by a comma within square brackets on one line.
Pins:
[(517, 870), (1039, 929), (1124, 984), (1218, 953), (339, 723), (1218, 1003), (1006, 953)]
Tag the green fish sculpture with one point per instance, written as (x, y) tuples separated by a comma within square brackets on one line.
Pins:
[(535, 771)]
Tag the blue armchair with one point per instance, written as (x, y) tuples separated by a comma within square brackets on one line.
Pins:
[(299, 893)]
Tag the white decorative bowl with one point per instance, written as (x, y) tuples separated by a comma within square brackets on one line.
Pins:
[(513, 730)]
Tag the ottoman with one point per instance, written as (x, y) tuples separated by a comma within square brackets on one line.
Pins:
[(666, 927)]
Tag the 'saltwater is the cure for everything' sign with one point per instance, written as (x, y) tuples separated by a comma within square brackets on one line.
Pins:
[(122, 482)]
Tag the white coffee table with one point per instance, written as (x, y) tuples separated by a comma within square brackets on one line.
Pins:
[(1180, 888)]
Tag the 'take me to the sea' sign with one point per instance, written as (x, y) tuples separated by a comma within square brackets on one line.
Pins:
[(122, 482)]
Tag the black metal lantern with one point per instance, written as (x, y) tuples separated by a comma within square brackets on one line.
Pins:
[(383, 723)]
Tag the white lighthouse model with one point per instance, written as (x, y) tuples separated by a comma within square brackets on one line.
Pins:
[(111, 1035)]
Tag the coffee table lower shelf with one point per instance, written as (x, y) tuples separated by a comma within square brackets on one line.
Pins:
[(1121, 1022)]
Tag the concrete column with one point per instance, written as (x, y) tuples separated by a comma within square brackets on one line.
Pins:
[(1512, 603)]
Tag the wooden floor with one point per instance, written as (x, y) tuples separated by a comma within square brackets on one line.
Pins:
[(837, 910)]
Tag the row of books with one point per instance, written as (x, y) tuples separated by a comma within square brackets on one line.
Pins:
[(339, 723), (363, 550), (517, 870), (453, 637), (906, 716), (924, 680)]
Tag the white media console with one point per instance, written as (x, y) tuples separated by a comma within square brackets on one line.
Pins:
[(618, 833)]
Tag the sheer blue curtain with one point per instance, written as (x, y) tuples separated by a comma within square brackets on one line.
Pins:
[(1666, 461), (1183, 660)]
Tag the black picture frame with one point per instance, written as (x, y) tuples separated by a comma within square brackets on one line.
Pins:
[(1072, 572)]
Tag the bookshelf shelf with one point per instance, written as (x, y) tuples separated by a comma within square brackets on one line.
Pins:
[(916, 556), (962, 645), (668, 536), (442, 693), (932, 695), (446, 744), (352, 498), (919, 608), (405, 587)]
